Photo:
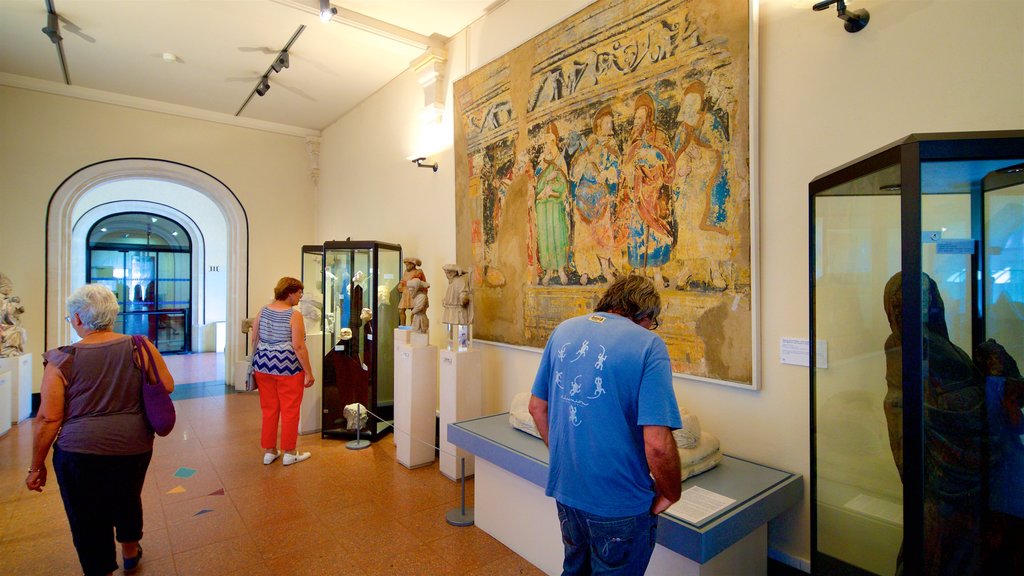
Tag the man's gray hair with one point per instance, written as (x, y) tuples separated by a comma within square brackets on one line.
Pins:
[(632, 296), (95, 305)]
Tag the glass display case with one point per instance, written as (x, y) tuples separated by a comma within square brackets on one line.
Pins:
[(360, 314), (917, 295), (312, 303)]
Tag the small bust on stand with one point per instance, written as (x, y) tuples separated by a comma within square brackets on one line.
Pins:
[(417, 290), (458, 308), (412, 272)]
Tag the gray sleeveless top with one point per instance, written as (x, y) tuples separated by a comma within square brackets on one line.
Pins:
[(103, 399)]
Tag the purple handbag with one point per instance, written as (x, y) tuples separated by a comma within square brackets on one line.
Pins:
[(156, 401)]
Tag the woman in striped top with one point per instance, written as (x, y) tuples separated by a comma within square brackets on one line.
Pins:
[(280, 365)]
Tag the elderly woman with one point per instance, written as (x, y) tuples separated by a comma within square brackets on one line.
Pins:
[(91, 403), (280, 365)]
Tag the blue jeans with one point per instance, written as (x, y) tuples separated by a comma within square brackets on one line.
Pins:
[(601, 545)]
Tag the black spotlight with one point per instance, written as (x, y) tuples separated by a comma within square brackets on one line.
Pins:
[(263, 87), (855, 20), (281, 63)]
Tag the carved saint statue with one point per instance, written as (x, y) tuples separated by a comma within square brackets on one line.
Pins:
[(412, 271), (417, 290), (12, 335), (458, 299)]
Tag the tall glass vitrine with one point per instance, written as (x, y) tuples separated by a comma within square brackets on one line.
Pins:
[(917, 294), (360, 314)]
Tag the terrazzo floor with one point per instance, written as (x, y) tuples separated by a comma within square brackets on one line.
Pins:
[(342, 512)]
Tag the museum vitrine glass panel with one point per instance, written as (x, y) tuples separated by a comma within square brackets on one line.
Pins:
[(916, 315), (360, 300)]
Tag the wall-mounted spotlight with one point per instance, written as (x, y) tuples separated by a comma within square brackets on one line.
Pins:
[(327, 11), (281, 63), (855, 20), (263, 87), (419, 164), (52, 29)]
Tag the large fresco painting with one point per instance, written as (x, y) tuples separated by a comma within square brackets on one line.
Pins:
[(617, 142)]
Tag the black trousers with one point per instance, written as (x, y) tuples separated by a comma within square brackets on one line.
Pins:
[(101, 494)]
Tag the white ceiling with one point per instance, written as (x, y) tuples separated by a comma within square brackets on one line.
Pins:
[(223, 47)]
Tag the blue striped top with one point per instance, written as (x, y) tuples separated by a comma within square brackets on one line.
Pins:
[(274, 353)]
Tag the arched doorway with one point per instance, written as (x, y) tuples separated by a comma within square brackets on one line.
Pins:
[(146, 261), (195, 199)]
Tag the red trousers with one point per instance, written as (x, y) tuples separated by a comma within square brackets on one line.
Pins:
[(280, 397)]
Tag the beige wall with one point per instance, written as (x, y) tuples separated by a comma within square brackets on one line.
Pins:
[(826, 97), (45, 138)]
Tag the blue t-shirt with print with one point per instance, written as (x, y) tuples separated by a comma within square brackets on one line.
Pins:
[(604, 378)]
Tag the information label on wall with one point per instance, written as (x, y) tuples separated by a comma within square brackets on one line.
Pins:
[(797, 351), (955, 246)]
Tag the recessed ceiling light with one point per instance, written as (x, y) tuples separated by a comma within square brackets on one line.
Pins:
[(170, 57)]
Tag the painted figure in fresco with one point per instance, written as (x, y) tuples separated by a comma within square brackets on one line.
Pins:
[(550, 205), (497, 173), (595, 181), (412, 272), (954, 433), (646, 223), (702, 189)]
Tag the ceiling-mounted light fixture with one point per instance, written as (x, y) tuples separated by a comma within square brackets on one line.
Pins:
[(327, 11), (419, 163), (855, 20), (282, 61), (52, 31), (264, 86)]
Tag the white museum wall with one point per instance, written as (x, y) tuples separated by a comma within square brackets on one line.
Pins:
[(826, 97), (45, 138)]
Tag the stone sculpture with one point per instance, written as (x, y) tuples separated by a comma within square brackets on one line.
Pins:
[(417, 290), (458, 300), (12, 335), (412, 272)]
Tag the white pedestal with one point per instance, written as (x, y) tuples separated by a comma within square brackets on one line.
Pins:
[(5, 402), (461, 399), (240, 374), (20, 368), (415, 401), (311, 409)]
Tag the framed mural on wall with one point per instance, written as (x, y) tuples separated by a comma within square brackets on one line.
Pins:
[(616, 142)]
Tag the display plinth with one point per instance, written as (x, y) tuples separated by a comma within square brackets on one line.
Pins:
[(461, 399), (415, 401), (312, 398), (240, 374), (509, 504), (5, 402), (20, 368)]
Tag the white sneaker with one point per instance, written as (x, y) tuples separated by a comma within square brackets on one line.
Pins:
[(290, 459), (269, 457)]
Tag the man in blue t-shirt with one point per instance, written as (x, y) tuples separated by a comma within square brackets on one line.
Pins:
[(603, 403)]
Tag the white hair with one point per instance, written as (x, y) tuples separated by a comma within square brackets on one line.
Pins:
[(95, 305)]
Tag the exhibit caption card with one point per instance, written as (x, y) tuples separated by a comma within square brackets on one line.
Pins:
[(696, 504)]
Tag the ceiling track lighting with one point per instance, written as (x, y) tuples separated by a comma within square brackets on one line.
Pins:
[(327, 12), (855, 20), (281, 61), (263, 87), (52, 31), (419, 163)]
